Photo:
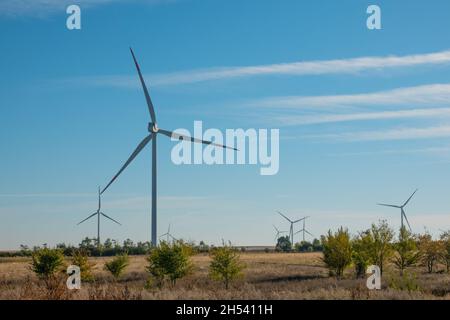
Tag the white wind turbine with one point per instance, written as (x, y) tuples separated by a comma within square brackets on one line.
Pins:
[(154, 131)]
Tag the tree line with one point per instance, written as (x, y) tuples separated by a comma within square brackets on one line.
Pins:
[(380, 246)]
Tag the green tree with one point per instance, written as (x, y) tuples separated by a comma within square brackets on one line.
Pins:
[(225, 265), (284, 244), (445, 255), (337, 251), (362, 245), (317, 246), (108, 244), (128, 244), (406, 253), (170, 261), (117, 265), (303, 246), (381, 249), (430, 251)]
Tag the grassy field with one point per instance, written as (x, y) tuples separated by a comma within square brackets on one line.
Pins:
[(268, 276)]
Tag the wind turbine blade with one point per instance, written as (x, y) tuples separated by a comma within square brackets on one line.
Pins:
[(131, 158), (173, 238), (300, 220), (110, 218), (388, 205), (284, 216), (87, 218), (147, 95), (298, 232), (276, 229), (165, 234), (174, 135), (309, 233), (406, 218), (407, 201)]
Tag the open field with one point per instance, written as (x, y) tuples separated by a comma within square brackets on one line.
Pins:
[(268, 276)]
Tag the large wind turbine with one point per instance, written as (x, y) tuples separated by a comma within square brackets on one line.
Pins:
[(402, 209), (98, 213), (154, 131), (278, 233), (291, 229), (304, 229)]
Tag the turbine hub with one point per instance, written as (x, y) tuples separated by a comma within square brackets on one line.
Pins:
[(153, 127)]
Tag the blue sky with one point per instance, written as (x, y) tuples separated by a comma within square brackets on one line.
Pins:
[(364, 116)]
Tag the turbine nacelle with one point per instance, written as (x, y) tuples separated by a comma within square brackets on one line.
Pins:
[(153, 127)]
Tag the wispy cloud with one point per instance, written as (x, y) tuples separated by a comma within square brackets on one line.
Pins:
[(43, 195), (291, 120), (442, 131), (46, 7), (417, 95), (319, 67), (444, 150)]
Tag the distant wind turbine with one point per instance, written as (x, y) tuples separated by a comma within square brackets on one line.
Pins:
[(154, 131), (402, 209), (168, 234), (278, 233), (98, 213), (291, 229), (304, 230)]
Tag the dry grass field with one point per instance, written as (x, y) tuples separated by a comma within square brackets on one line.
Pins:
[(267, 276)]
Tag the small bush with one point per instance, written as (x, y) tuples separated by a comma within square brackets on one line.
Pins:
[(45, 263), (225, 265), (118, 265), (406, 282), (80, 259), (169, 261)]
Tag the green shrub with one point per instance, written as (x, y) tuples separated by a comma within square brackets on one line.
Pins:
[(406, 282), (80, 259), (45, 263), (169, 261), (337, 251), (117, 266), (225, 265)]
